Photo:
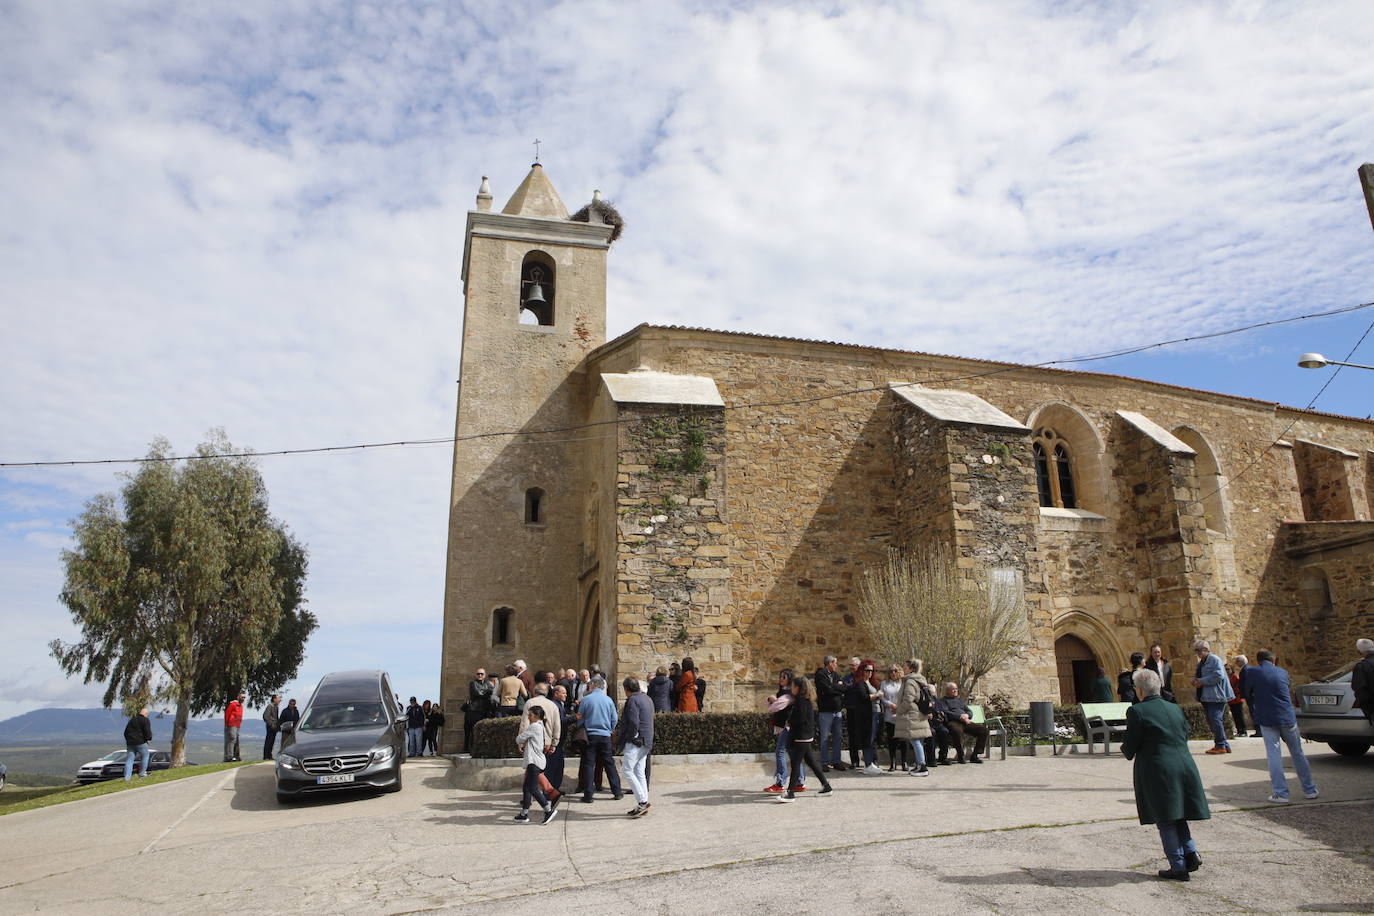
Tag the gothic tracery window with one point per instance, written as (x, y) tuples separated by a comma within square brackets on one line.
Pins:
[(1054, 470)]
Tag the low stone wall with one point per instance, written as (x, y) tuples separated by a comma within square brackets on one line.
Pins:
[(487, 774)]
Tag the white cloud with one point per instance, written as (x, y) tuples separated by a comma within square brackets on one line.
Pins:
[(252, 216)]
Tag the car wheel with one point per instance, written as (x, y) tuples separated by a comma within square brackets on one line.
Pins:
[(1349, 748), (397, 787)]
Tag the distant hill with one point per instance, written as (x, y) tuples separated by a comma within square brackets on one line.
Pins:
[(105, 725)]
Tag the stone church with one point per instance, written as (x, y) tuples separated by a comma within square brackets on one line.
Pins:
[(678, 491)]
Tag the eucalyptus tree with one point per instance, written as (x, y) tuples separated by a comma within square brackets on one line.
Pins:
[(185, 588)]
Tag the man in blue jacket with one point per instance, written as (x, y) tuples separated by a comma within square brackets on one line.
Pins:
[(1213, 692), (597, 713), (1271, 704)]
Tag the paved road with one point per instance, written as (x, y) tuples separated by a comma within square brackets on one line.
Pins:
[(1024, 835)]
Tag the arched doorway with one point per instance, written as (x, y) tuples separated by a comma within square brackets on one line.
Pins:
[(1077, 669)]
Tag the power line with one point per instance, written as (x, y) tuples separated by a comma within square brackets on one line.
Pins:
[(1294, 422), (1114, 354)]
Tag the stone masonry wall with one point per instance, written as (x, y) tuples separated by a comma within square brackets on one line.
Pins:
[(1169, 533), (814, 497), (672, 588), (1323, 483)]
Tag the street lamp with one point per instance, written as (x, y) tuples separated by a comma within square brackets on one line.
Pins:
[(1317, 361)]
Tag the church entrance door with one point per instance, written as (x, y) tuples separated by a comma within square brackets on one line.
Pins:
[(1077, 669)]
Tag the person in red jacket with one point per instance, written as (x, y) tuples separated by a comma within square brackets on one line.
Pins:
[(233, 718)]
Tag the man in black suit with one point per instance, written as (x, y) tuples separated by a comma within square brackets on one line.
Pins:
[(1160, 665)]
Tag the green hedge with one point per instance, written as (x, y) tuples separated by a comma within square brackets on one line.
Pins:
[(751, 732), (674, 733)]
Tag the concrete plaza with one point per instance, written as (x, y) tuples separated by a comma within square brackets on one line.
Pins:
[(1021, 835)]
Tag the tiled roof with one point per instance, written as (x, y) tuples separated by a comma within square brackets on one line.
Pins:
[(1007, 366)]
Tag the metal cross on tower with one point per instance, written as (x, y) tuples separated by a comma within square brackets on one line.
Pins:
[(536, 149)]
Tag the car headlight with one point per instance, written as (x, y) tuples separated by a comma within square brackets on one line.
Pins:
[(287, 762), (383, 754)]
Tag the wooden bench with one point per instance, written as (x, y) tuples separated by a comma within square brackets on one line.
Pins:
[(996, 729), (1104, 720)]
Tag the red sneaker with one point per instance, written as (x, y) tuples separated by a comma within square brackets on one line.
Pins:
[(775, 789), (799, 789)]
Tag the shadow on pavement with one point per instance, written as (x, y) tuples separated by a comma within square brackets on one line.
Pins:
[(1054, 877), (1342, 828)]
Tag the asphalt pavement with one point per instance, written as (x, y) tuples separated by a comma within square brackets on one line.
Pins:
[(1022, 835)]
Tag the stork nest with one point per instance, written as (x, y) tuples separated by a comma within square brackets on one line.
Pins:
[(608, 214)]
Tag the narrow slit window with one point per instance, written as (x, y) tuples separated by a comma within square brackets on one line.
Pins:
[(501, 626), (1042, 476), (534, 506), (1068, 499)]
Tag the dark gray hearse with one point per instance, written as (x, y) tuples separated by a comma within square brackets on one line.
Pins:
[(351, 735)]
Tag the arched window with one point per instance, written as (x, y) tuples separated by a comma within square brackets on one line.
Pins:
[(537, 289), (1054, 470), (534, 506), (502, 626)]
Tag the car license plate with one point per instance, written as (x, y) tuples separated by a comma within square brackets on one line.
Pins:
[(1323, 699), (337, 777)]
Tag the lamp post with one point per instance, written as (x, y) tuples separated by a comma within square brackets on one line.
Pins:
[(1317, 361)]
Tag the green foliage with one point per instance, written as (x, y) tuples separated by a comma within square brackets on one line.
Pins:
[(186, 589), (674, 733), (678, 443)]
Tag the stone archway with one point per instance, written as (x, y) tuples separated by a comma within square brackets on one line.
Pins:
[(1092, 633)]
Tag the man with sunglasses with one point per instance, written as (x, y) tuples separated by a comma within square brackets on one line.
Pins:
[(478, 706)]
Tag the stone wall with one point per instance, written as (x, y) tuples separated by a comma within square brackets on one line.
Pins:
[(1168, 529), (1327, 621), (1324, 482), (815, 490), (672, 589)]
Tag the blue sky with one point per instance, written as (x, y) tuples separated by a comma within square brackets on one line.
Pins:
[(251, 217)]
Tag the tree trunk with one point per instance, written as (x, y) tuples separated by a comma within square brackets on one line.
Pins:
[(179, 733)]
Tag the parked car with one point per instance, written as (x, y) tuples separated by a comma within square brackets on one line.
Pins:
[(350, 736), (111, 766), (1327, 712)]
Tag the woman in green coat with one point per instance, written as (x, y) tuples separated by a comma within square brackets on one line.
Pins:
[(1168, 789)]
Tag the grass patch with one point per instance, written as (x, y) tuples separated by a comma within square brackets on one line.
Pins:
[(22, 799)]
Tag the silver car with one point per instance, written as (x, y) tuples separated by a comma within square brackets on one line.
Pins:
[(1327, 712)]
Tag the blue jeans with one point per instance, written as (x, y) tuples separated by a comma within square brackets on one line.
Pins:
[(781, 756), (918, 747), (1215, 712), (144, 752), (415, 742), (1177, 840), (830, 738), (1289, 735)]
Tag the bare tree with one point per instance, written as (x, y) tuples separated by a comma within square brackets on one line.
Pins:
[(922, 605)]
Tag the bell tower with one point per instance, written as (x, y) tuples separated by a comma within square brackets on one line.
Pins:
[(534, 287)]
